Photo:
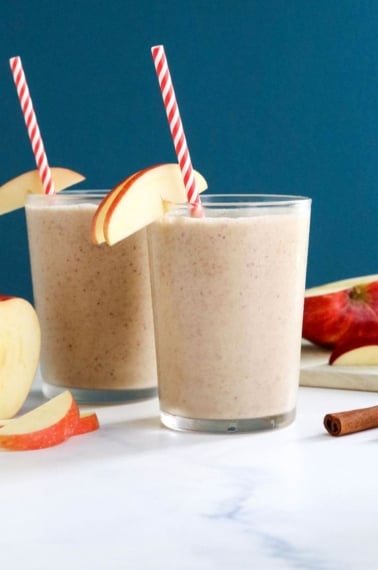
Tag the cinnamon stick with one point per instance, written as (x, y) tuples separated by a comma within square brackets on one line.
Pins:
[(352, 421)]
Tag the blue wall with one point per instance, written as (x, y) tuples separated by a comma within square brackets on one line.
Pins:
[(275, 96)]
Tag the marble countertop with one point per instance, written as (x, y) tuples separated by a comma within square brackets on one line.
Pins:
[(135, 495)]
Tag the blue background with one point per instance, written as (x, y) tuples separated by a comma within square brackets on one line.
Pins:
[(275, 96)]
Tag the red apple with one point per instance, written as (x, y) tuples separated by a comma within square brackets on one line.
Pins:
[(49, 424), (20, 345), (13, 193), (332, 309), (139, 200)]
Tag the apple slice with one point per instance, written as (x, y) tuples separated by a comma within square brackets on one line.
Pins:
[(88, 422), (20, 345), (140, 199), (97, 227), (49, 424), (355, 354), (357, 347), (332, 309), (13, 193)]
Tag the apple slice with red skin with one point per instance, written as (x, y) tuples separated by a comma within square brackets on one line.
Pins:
[(47, 425), (20, 345), (357, 353), (88, 422), (13, 193), (139, 200), (333, 309), (97, 227), (357, 347)]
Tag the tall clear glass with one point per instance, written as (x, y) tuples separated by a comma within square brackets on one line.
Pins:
[(228, 294), (93, 302)]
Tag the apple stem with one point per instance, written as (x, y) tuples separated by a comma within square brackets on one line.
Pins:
[(358, 293)]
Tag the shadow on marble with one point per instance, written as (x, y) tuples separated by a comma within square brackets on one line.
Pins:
[(318, 437), (360, 436), (35, 398), (127, 431)]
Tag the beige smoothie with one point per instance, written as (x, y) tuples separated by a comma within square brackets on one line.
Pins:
[(93, 302), (228, 300)]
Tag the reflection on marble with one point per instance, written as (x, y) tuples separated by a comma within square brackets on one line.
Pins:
[(135, 495)]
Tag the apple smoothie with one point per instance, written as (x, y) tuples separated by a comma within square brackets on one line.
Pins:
[(93, 302), (228, 295)]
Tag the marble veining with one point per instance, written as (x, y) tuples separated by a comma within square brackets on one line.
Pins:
[(135, 495)]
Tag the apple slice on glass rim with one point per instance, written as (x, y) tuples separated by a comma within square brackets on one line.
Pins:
[(13, 193), (88, 422), (139, 200)]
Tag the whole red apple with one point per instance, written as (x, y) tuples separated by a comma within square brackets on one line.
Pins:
[(333, 309)]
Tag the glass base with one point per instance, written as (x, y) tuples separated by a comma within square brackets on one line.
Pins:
[(179, 423), (86, 396)]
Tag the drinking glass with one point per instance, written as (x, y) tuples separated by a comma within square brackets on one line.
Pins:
[(228, 292)]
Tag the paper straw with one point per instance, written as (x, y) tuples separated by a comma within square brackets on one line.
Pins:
[(175, 124), (32, 125)]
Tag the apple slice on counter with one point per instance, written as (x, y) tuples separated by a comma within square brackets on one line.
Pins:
[(357, 347), (13, 193), (357, 353), (139, 200), (88, 422), (20, 345), (332, 309), (49, 424)]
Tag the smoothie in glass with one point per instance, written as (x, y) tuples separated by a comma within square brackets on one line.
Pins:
[(228, 302), (93, 302)]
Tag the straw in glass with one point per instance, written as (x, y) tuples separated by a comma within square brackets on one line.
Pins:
[(175, 125), (32, 125)]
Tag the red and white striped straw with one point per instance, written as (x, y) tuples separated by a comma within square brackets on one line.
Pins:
[(32, 125), (175, 124)]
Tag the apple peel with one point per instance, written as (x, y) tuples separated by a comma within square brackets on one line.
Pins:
[(97, 227), (88, 422)]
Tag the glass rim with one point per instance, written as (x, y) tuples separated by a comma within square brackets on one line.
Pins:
[(250, 198), (69, 194), (208, 200)]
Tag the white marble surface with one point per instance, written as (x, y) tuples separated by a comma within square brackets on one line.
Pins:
[(135, 495)]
